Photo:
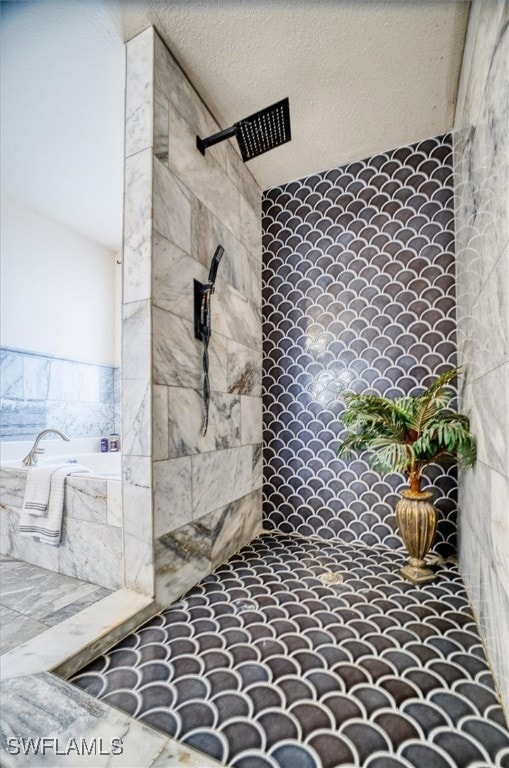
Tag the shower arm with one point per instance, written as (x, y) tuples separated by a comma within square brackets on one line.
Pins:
[(204, 144)]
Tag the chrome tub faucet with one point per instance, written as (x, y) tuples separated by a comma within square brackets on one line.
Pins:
[(30, 459)]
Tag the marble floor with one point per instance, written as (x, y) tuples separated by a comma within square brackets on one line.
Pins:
[(32, 599), (301, 653)]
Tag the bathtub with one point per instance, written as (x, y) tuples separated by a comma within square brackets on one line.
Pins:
[(91, 544), (86, 451)]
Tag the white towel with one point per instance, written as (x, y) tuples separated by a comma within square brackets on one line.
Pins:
[(49, 529), (37, 489)]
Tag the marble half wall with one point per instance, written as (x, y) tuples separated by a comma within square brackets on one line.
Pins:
[(481, 170), (190, 500)]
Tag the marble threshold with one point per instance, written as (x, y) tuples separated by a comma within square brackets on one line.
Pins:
[(38, 703)]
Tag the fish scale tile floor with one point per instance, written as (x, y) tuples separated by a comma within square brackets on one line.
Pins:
[(300, 653)]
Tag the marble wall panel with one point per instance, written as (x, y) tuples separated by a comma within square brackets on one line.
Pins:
[(23, 547), (136, 325), (182, 558), (200, 546), (220, 477), (114, 503), (138, 524), (22, 420), (475, 485), (485, 401), (35, 387), (236, 265), (11, 372), (71, 381), (238, 522), (471, 563), (12, 487), (243, 181), (257, 466), (160, 126), (185, 427), (160, 422), (499, 529), (80, 419), (489, 313), (176, 352), (244, 370), (481, 161), (139, 103), (228, 306), (250, 223), (251, 420), (173, 83), (36, 377), (173, 275), (486, 20), (92, 552), (202, 175), (137, 258), (172, 207), (136, 418), (173, 506), (86, 499), (493, 611)]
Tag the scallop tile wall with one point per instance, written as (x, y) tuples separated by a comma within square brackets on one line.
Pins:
[(358, 294)]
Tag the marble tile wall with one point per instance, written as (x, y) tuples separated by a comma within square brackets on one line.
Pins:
[(359, 294), (189, 500), (481, 152), (91, 545), (41, 391)]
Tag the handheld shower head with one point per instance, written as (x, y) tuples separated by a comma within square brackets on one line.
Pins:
[(218, 255), (258, 133)]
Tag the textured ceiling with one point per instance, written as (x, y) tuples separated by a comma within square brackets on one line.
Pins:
[(363, 76)]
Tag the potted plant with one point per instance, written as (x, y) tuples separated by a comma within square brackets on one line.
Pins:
[(407, 435)]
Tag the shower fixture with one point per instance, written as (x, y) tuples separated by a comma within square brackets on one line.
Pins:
[(202, 325), (256, 134)]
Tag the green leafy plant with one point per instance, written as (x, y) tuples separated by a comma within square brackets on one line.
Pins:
[(408, 433)]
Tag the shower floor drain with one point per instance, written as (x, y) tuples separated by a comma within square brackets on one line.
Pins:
[(331, 577), (241, 605)]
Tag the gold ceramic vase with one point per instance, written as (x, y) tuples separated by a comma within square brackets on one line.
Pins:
[(417, 522)]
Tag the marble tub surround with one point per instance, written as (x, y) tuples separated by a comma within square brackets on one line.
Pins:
[(316, 654), (42, 705), (91, 544), (40, 391), (33, 599), (179, 486), (481, 168)]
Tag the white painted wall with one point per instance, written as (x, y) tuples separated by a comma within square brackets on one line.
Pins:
[(62, 113), (58, 289)]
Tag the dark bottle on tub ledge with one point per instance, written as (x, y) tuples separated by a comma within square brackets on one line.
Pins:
[(110, 443)]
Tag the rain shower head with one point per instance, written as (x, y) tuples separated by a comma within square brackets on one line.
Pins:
[(256, 134)]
